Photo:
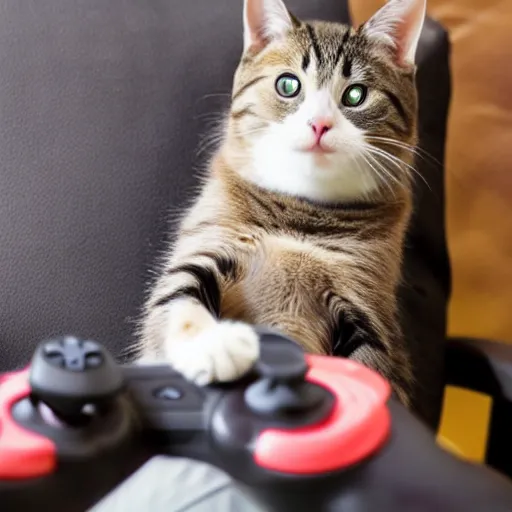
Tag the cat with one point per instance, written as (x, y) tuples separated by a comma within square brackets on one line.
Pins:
[(300, 222)]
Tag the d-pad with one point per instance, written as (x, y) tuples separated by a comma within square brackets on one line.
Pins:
[(73, 354)]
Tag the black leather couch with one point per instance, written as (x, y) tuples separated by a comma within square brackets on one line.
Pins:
[(103, 109)]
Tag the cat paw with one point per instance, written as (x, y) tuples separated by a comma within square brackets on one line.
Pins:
[(223, 352), (187, 319)]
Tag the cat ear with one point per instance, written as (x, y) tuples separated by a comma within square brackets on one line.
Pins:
[(398, 24), (265, 21)]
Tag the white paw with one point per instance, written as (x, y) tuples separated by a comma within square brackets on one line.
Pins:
[(221, 353), (187, 319)]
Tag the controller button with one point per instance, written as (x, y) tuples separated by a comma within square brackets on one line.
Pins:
[(168, 393), (357, 427), (281, 365), (23, 454), (282, 388), (68, 373), (268, 397), (73, 354)]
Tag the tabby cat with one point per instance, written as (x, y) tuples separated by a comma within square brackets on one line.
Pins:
[(300, 222)]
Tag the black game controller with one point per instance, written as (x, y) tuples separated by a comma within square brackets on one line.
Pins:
[(300, 432)]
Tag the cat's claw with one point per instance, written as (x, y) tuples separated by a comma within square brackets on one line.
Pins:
[(222, 352)]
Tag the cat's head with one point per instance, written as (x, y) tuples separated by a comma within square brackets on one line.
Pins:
[(322, 110)]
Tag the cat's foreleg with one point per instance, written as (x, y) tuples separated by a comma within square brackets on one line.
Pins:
[(376, 343), (397, 372), (182, 325)]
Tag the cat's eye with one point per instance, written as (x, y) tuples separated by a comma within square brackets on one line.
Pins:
[(354, 95), (288, 86)]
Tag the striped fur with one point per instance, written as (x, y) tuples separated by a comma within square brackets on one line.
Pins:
[(322, 268)]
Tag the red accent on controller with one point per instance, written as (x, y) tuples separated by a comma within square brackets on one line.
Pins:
[(358, 426), (23, 454)]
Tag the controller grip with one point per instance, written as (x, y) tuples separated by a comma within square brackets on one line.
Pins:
[(410, 473), (420, 475)]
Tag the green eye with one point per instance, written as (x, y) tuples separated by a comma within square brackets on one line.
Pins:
[(288, 86), (354, 95)]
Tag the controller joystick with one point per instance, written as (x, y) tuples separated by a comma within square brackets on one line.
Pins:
[(282, 388), (67, 374)]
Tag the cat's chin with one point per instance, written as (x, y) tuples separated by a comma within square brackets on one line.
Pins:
[(320, 160)]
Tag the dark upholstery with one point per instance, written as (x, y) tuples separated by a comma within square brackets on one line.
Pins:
[(427, 280), (102, 106)]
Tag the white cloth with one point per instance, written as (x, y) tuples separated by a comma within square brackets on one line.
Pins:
[(176, 485)]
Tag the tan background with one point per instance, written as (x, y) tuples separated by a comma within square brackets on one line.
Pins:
[(479, 161)]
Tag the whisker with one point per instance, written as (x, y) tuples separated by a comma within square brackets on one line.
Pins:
[(388, 171), (377, 172), (380, 169), (208, 142), (398, 163), (217, 136), (363, 171), (396, 142), (217, 117), (416, 150), (214, 95), (251, 132), (353, 160)]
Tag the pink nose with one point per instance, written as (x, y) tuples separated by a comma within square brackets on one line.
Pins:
[(320, 127)]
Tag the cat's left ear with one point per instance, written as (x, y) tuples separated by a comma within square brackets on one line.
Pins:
[(265, 21), (398, 24)]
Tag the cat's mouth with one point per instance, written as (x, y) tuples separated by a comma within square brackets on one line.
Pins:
[(318, 149)]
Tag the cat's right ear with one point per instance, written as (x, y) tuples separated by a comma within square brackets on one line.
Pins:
[(265, 21)]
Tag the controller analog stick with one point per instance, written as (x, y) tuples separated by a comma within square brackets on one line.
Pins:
[(68, 374), (282, 388), (73, 354)]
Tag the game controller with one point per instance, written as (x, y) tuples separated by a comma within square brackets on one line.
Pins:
[(299, 432)]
